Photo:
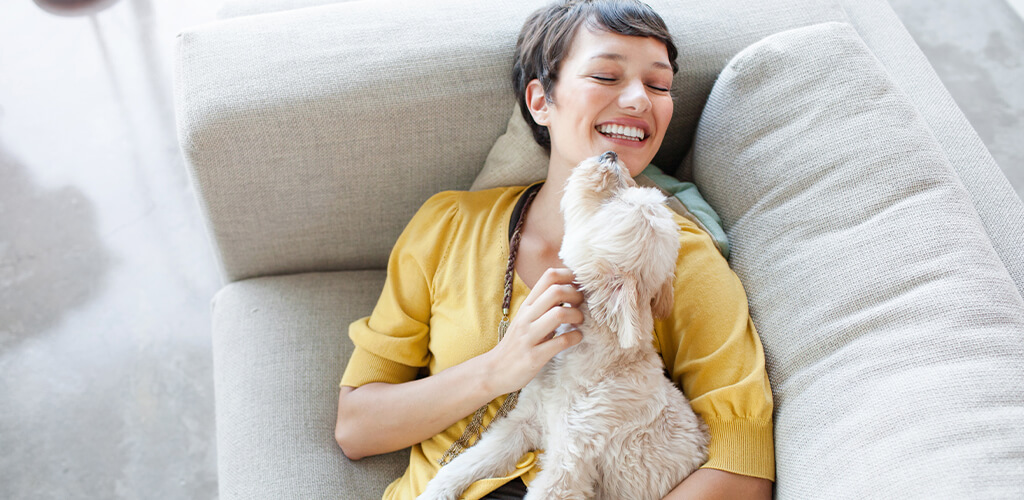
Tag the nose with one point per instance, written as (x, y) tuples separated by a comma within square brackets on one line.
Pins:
[(608, 156), (634, 96)]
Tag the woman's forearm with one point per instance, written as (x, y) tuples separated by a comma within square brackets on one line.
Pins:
[(711, 484), (379, 418)]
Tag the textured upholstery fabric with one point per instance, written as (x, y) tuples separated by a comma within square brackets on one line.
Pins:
[(296, 124), (280, 345), (239, 8), (515, 160), (892, 330)]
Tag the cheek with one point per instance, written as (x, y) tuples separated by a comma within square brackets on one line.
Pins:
[(584, 105), (663, 115), (590, 100), (664, 110)]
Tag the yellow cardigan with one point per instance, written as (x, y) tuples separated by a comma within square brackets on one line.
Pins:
[(441, 305)]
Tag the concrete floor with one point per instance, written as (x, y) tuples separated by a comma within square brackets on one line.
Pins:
[(977, 48), (106, 388), (106, 273)]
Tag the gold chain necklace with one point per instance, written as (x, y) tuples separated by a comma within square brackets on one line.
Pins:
[(473, 429)]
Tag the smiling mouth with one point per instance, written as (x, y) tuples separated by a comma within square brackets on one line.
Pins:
[(621, 132)]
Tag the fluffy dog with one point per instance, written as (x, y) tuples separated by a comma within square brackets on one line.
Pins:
[(611, 425)]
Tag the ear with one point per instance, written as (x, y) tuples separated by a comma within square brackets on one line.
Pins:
[(537, 102), (630, 319), (661, 304)]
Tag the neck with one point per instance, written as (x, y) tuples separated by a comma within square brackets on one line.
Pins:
[(544, 220)]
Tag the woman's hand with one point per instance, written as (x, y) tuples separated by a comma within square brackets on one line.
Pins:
[(529, 342), (379, 417)]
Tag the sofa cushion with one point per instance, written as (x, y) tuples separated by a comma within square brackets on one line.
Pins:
[(280, 345), (515, 159), (892, 330)]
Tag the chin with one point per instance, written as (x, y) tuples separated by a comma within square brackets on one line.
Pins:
[(635, 161), (635, 166)]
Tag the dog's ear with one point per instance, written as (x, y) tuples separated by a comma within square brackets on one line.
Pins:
[(661, 304), (614, 300), (630, 317)]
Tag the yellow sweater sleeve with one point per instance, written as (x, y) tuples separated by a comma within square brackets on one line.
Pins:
[(714, 354), (391, 344)]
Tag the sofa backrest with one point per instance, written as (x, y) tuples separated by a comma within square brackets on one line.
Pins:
[(313, 135), (239, 8)]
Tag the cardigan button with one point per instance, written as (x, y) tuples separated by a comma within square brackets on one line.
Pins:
[(527, 460)]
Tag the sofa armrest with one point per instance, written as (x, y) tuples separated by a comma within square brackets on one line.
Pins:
[(1000, 209), (280, 345)]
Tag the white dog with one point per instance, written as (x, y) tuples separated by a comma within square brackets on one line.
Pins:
[(611, 425)]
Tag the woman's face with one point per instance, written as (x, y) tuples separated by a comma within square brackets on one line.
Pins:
[(611, 89)]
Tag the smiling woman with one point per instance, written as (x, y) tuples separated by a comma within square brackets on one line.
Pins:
[(548, 34), (612, 94)]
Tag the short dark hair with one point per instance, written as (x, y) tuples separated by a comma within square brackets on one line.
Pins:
[(548, 33)]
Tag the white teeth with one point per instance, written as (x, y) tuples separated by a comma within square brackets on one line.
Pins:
[(622, 130)]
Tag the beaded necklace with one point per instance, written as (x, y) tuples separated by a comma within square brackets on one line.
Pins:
[(473, 429)]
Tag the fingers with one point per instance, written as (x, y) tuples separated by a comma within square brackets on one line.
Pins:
[(544, 326), (547, 309), (560, 343), (553, 289), (553, 276), (557, 295)]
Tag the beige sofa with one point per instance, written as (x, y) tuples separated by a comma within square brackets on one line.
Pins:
[(879, 244)]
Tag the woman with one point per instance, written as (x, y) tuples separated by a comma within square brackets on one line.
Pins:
[(590, 76)]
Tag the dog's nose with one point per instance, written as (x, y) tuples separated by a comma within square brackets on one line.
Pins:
[(609, 155)]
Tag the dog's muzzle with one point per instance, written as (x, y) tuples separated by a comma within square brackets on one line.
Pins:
[(608, 156)]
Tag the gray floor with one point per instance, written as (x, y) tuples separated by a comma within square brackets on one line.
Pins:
[(977, 48), (106, 389)]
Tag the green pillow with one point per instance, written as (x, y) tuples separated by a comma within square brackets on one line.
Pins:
[(690, 204)]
